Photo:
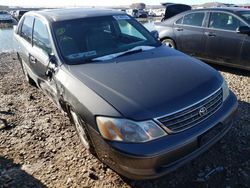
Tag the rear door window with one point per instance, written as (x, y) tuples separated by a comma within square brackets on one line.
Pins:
[(26, 31), (219, 20), (41, 36), (194, 19)]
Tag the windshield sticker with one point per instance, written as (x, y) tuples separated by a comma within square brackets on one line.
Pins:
[(122, 17), (60, 31), (81, 55)]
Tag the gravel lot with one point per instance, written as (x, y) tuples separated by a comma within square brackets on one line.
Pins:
[(40, 148)]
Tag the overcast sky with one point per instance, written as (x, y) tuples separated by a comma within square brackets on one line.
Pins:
[(49, 3)]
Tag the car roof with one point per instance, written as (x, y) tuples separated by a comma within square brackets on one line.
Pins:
[(54, 15), (227, 9)]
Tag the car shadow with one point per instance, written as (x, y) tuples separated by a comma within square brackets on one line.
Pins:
[(232, 70), (226, 156), (11, 175)]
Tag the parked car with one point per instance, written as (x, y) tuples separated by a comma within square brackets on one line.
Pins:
[(142, 108), (139, 13), (218, 35), (172, 9), (159, 12), (19, 13), (4, 15), (6, 18), (151, 13)]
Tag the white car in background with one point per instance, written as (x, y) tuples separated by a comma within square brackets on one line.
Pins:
[(159, 12), (4, 15)]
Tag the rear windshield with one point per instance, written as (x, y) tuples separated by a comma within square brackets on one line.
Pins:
[(245, 15), (81, 40)]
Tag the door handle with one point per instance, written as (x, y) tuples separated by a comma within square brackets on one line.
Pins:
[(210, 34), (179, 29), (33, 59)]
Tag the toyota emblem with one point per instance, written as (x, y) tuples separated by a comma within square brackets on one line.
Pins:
[(203, 111)]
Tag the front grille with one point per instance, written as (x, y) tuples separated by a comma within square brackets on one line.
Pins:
[(190, 116)]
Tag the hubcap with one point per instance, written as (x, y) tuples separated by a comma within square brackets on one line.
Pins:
[(80, 130), (169, 44)]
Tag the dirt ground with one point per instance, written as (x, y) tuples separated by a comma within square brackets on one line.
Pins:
[(40, 148)]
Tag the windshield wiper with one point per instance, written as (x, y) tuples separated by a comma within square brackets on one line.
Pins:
[(91, 60), (130, 51)]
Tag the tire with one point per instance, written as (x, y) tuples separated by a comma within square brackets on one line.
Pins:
[(82, 131), (169, 42), (26, 75)]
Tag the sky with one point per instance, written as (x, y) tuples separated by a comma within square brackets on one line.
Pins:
[(51, 3)]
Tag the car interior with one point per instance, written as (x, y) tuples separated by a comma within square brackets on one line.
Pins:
[(98, 37), (224, 21)]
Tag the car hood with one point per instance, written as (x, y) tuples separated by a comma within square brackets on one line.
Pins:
[(149, 84)]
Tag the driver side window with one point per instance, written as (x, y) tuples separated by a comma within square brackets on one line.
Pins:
[(26, 29), (41, 37)]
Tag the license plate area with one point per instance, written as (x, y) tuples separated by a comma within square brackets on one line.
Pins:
[(210, 134)]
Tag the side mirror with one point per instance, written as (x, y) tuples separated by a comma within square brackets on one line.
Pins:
[(52, 60), (155, 34), (51, 66), (243, 30)]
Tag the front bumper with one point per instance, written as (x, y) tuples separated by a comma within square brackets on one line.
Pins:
[(158, 157)]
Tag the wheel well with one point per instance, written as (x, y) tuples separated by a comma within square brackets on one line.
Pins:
[(170, 39), (67, 108), (64, 105)]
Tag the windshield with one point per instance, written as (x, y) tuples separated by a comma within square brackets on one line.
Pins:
[(245, 15), (82, 40)]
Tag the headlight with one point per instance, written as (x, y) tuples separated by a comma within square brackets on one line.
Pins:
[(225, 90), (127, 130)]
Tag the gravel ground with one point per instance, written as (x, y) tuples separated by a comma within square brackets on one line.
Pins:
[(40, 148)]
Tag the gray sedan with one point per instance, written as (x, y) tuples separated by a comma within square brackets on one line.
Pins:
[(217, 35), (140, 107)]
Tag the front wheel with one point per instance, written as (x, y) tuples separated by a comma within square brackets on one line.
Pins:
[(82, 132), (169, 42)]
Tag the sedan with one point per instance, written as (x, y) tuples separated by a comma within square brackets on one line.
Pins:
[(216, 35), (140, 107)]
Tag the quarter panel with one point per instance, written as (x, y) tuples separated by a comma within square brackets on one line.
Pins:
[(166, 32)]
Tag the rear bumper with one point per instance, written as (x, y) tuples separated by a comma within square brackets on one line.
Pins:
[(158, 157)]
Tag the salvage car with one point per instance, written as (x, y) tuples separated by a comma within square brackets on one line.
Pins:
[(216, 35), (140, 107), (19, 13), (6, 18)]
